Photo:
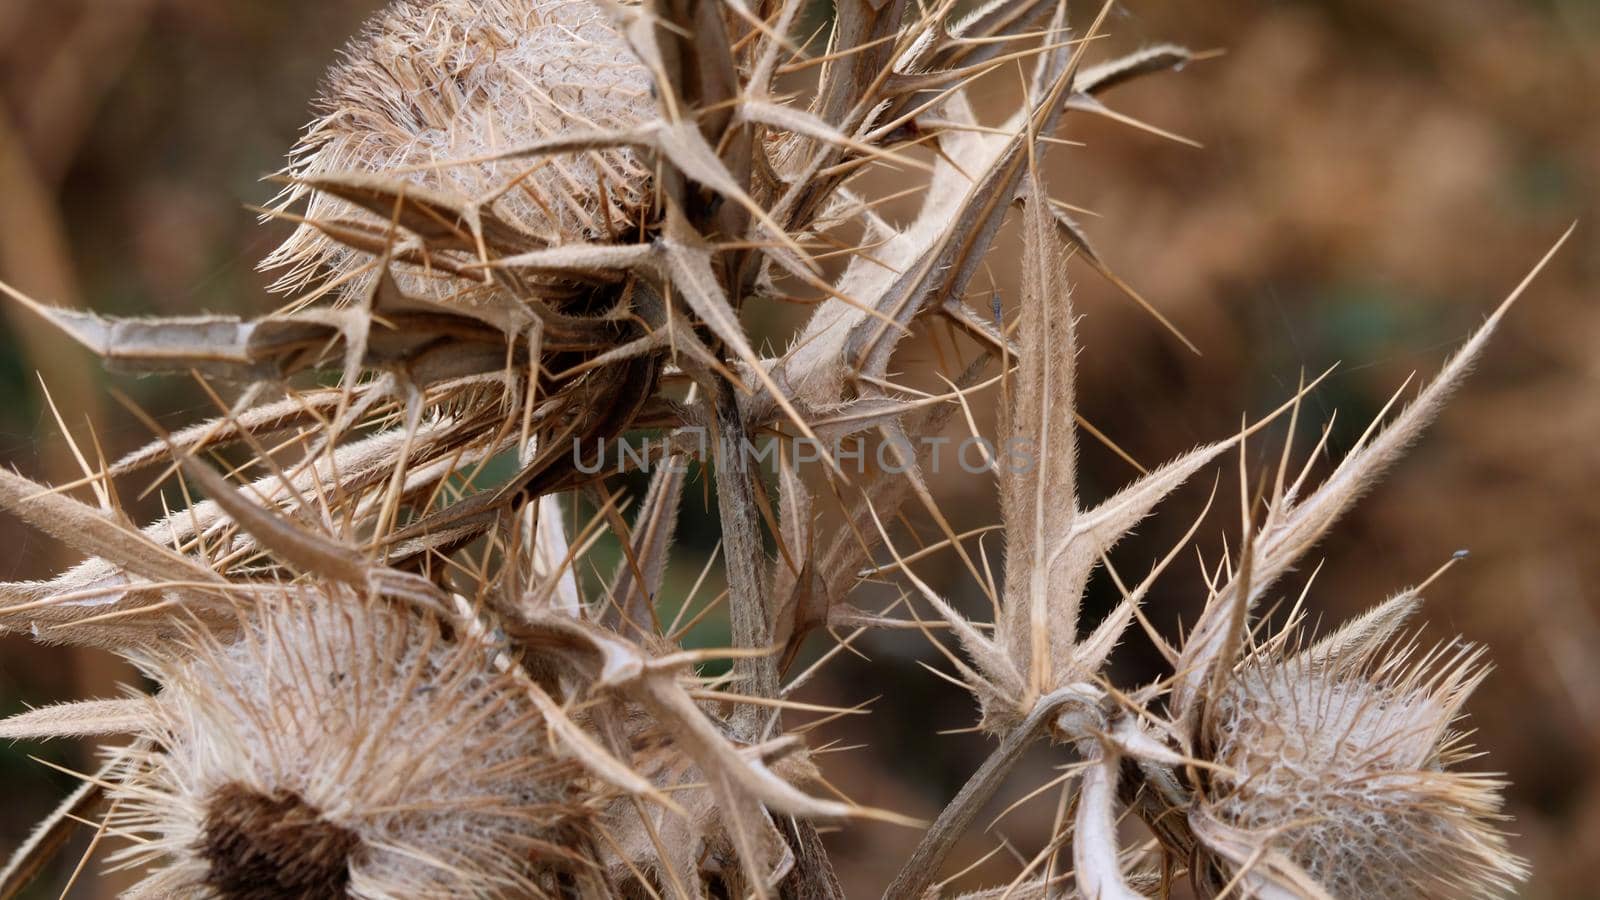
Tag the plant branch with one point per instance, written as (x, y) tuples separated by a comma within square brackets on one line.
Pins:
[(750, 616), (926, 861)]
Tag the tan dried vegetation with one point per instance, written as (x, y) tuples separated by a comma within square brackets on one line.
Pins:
[(529, 226)]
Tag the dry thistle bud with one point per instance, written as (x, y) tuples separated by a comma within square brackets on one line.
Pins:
[(434, 88), (496, 270), (1341, 758), (340, 747)]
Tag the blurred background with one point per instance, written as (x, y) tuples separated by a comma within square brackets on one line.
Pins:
[(1375, 176)]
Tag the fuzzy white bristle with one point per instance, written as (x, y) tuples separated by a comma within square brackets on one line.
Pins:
[(1345, 767), (344, 742), (435, 82)]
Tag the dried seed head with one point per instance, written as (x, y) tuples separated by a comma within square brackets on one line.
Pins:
[(1342, 763), (262, 846), (434, 82), (339, 746)]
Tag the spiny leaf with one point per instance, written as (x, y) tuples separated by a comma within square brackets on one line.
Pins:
[(445, 222), (88, 530), (1107, 75), (78, 719), (312, 553), (1292, 528)]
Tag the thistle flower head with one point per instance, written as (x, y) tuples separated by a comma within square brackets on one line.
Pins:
[(338, 747), (1342, 758), (481, 191), (435, 87)]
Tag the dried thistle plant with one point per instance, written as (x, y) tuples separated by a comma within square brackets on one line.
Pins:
[(1353, 738), (526, 227), (336, 743)]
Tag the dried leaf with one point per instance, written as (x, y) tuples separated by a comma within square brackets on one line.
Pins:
[(77, 719), (1291, 528), (88, 530)]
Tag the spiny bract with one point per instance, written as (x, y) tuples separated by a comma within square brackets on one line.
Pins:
[(436, 90), (388, 662), (337, 744), (1346, 760)]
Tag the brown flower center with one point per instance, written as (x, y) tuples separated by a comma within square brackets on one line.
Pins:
[(263, 847)]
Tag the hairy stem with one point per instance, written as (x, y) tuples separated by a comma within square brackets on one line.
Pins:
[(750, 618), (748, 611), (925, 863), (812, 877)]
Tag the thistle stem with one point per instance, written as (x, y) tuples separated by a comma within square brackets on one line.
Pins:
[(926, 861), (750, 618)]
